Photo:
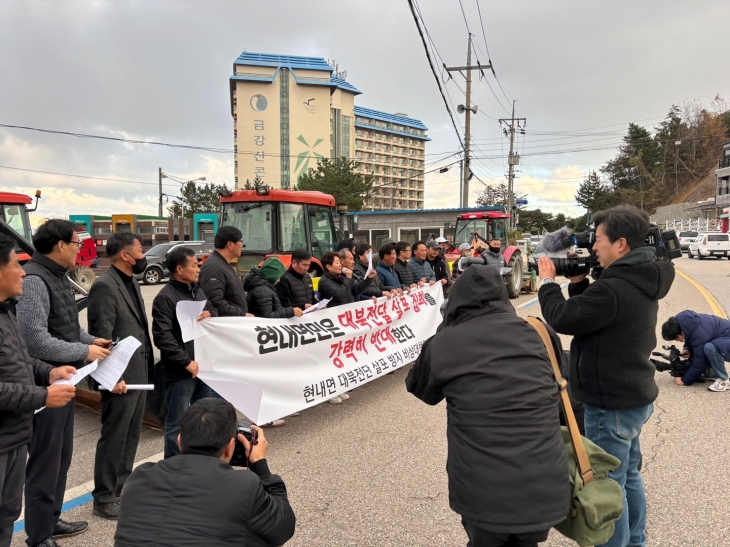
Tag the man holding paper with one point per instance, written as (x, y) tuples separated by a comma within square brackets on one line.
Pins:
[(49, 321), (116, 311), (177, 354), (21, 378)]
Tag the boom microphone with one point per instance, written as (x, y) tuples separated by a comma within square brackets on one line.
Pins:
[(556, 244)]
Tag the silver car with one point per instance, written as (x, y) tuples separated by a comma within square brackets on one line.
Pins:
[(685, 238)]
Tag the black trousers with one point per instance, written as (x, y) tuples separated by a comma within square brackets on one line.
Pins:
[(49, 458), (479, 537), (121, 426), (12, 477)]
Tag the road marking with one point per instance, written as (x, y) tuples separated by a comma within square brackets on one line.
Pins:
[(80, 495), (534, 300), (714, 304)]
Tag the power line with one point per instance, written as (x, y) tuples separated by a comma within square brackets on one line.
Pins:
[(626, 100), (433, 70), (82, 176)]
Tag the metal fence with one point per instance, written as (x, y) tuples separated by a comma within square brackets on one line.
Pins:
[(694, 225)]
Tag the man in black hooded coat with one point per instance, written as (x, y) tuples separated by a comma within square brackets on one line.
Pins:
[(508, 474)]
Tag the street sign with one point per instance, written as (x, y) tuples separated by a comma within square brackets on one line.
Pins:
[(521, 201)]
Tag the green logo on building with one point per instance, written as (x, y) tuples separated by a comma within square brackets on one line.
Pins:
[(304, 157)]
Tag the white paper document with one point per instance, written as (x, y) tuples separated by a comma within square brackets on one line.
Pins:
[(110, 370), (187, 312), (136, 387), (318, 306), (370, 263), (80, 375), (75, 378)]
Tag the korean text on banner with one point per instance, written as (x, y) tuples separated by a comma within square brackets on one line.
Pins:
[(261, 369)]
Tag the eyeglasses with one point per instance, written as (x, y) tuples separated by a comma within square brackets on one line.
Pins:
[(77, 242)]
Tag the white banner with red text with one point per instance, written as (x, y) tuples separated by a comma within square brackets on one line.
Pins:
[(270, 368)]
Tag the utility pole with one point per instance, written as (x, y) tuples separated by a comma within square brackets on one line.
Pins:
[(513, 160), (159, 207), (469, 109)]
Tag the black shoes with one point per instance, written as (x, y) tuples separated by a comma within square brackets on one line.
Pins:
[(66, 530), (107, 510), (48, 543)]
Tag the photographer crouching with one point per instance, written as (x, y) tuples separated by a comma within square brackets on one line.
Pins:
[(613, 323), (196, 498)]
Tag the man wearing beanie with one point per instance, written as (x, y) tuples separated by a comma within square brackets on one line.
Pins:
[(261, 295)]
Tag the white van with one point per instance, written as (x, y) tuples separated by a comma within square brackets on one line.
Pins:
[(713, 244)]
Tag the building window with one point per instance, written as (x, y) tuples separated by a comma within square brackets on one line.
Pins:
[(284, 126)]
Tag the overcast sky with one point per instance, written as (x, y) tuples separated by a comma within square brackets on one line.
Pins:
[(158, 70)]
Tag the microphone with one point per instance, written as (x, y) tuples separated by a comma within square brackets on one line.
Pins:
[(558, 244)]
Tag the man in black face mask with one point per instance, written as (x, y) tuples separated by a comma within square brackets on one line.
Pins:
[(493, 255), (116, 308)]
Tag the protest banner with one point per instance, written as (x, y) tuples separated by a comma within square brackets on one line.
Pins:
[(270, 368)]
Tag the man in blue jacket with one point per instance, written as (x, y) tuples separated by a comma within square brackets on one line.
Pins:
[(707, 338), (388, 278)]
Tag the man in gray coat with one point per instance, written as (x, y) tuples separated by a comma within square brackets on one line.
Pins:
[(116, 311)]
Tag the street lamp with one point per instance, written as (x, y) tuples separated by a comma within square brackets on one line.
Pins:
[(182, 191)]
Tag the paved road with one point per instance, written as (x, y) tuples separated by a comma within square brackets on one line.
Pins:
[(370, 472)]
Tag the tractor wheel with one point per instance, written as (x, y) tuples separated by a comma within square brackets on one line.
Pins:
[(514, 278), (85, 277), (152, 276)]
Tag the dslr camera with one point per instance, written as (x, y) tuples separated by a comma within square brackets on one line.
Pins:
[(666, 244), (239, 458)]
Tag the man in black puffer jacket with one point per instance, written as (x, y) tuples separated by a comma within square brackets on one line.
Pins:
[(341, 289), (218, 278), (613, 323), (22, 391), (261, 293), (295, 287), (508, 474)]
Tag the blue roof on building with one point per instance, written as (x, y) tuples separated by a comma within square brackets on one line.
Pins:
[(293, 62), (499, 208), (278, 61), (391, 118)]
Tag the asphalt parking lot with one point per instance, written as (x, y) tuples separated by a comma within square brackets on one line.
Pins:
[(371, 471)]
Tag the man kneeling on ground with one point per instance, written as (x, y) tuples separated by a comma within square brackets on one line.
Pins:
[(196, 498)]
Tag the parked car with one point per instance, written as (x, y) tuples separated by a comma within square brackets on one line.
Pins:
[(535, 256), (157, 269), (685, 238), (713, 244)]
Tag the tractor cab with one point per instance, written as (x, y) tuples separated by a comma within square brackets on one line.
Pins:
[(278, 222), (15, 214), (481, 227)]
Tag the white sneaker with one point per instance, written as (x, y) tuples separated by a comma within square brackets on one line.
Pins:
[(334, 400), (275, 423), (344, 396), (719, 385)]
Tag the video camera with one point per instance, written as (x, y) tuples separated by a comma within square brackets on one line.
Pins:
[(676, 366), (666, 244)]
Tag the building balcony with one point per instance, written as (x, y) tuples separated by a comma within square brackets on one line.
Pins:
[(406, 132)]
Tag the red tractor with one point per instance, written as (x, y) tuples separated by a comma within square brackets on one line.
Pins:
[(15, 213), (478, 228), (278, 222)]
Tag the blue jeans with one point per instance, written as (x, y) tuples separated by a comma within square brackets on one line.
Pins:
[(717, 360), (617, 431), (179, 396)]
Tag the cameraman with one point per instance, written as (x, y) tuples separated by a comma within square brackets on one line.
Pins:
[(707, 338), (197, 498), (613, 321)]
